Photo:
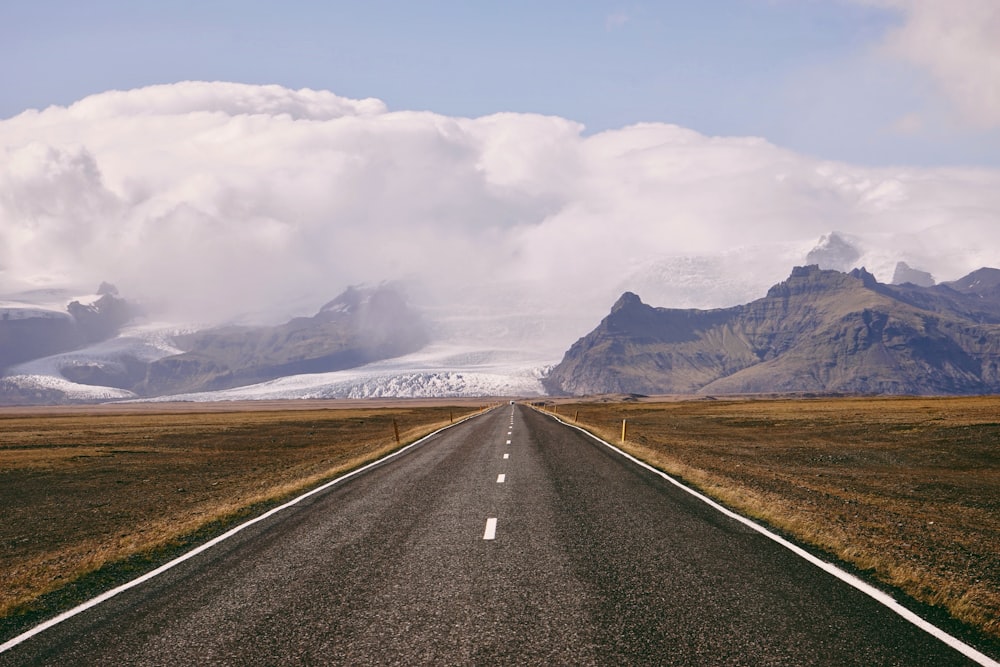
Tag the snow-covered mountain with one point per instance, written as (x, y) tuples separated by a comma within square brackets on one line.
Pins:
[(49, 376), (498, 339), (513, 233), (437, 371)]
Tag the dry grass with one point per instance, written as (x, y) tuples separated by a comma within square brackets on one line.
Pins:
[(907, 490), (80, 490)]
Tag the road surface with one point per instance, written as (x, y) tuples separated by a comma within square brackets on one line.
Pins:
[(507, 539)]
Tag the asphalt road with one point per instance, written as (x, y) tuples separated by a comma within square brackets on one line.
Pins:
[(593, 560)]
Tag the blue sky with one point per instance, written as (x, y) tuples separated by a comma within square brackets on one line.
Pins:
[(213, 196), (810, 75)]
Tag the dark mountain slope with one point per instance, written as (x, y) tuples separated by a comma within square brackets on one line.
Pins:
[(31, 333), (358, 327), (818, 331)]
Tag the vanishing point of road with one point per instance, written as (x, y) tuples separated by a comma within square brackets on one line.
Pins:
[(508, 539)]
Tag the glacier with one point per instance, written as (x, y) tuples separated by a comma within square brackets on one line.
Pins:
[(487, 340)]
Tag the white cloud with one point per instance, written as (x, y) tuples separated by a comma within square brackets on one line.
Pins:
[(226, 98), (958, 44), (220, 199)]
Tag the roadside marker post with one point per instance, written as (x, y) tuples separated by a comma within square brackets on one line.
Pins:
[(624, 429), (395, 430)]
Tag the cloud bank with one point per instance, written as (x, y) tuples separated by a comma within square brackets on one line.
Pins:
[(957, 43), (215, 200)]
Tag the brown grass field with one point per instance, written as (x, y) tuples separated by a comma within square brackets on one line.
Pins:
[(905, 490), (83, 489)]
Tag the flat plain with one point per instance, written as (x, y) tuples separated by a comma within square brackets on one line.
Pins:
[(93, 495), (906, 491)]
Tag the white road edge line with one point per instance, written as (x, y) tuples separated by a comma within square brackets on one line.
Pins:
[(869, 590), (491, 529), (107, 595)]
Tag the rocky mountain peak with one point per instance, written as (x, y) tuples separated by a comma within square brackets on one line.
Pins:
[(818, 331), (347, 301), (904, 273), (866, 278), (984, 283), (104, 317), (813, 279), (41, 332), (626, 301), (361, 325), (835, 252)]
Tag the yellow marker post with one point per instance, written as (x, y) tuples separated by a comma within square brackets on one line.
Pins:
[(624, 428)]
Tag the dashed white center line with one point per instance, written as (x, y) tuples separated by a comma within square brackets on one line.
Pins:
[(508, 442), (500, 478), (491, 529), (506, 456)]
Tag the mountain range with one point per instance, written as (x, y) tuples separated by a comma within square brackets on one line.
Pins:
[(29, 332), (360, 326), (821, 330)]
